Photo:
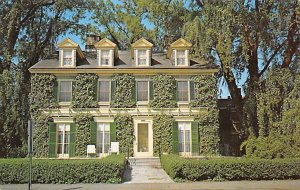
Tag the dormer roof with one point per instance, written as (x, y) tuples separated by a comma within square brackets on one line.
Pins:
[(105, 43), (178, 44), (140, 44), (70, 44)]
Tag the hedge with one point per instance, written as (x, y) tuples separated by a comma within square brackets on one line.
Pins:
[(230, 168), (106, 170)]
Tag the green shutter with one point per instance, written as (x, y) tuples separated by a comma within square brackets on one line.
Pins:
[(151, 90), (175, 92), (113, 132), (133, 91), (112, 91), (195, 138), (175, 137), (72, 140), (93, 139), (55, 90), (192, 91), (73, 89), (52, 140)]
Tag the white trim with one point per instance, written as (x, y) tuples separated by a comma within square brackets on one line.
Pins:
[(189, 91), (63, 120), (58, 91), (109, 90), (61, 57), (110, 57), (136, 91), (103, 119), (66, 127)]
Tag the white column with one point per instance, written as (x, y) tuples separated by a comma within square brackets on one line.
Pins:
[(99, 57), (187, 61), (74, 57), (136, 57), (111, 55), (148, 60)]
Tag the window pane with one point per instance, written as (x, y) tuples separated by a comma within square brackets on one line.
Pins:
[(142, 91), (59, 149), (180, 57), (182, 91), (65, 91), (60, 137), (104, 92), (67, 137), (180, 141), (187, 141), (142, 57), (66, 148), (67, 57)]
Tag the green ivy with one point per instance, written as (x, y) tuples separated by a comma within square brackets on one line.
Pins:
[(42, 95), (83, 133), (123, 91), (42, 92), (205, 91), (209, 132), (164, 87), (162, 133), (84, 91), (125, 133)]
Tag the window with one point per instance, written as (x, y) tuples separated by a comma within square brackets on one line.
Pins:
[(65, 91), (67, 57), (142, 91), (183, 91), (180, 57), (104, 91), (184, 137), (103, 139), (63, 142), (142, 57), (105, 57)]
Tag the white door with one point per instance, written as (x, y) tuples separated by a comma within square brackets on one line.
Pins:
[(143, 144)]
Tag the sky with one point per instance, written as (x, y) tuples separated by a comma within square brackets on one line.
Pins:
[(223, 91)]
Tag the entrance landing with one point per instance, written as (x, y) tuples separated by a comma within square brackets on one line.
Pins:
[(145, 170)]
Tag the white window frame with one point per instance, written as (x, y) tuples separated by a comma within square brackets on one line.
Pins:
[(110, 57), (65, 126), (147, 57), (187, 126), (186, 56), (136, 92), (98, 92), (62, 52), (189, 90), (58, 91), (104, 124)]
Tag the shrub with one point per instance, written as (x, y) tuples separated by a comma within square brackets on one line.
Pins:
[(106, 170), (230, 168)]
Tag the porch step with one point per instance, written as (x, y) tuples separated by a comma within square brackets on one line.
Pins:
[(151, 162)]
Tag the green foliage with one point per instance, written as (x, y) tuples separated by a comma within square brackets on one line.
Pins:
[(230, 168), (209, 132), (106, 170), (124, 92), (84, 93), (42, 92), (163, 92), (40, 132), (83, 133), (162, 133), (205, 91), (125, 130)]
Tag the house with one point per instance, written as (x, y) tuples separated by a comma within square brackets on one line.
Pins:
[(146, 68)]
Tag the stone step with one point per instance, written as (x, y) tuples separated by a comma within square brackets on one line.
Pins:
[(153, 162)]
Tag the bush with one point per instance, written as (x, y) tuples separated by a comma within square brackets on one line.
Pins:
[(106, 170), (230, 168)]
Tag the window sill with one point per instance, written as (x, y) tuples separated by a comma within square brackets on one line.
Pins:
[(103, 103), (64, 103)]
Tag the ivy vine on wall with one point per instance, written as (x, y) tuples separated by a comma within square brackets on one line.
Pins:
[(83, 133), (164, 87), (205, 91), (125, 133), (123, 91), (42, 95), (162, 133), (85, 91)]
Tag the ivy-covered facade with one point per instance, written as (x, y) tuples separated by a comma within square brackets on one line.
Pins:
[(149, 103)]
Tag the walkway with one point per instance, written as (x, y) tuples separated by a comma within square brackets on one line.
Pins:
[(146, 170)]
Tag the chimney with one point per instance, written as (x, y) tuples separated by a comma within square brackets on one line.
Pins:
[(91, 40)]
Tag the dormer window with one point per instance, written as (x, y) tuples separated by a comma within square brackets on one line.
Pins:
[(141, 52), (67, 57), (179, 52), (142, 57), (106, 52), (69, 53)]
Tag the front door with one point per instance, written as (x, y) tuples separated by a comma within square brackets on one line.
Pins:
[(143, 141)]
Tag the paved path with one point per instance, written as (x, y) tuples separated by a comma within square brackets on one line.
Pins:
[(146, 171), (235, 185)]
